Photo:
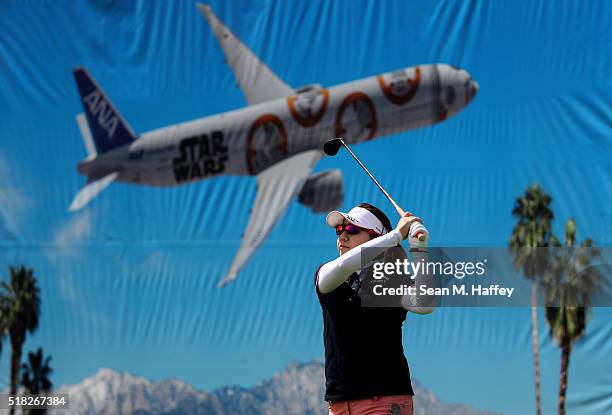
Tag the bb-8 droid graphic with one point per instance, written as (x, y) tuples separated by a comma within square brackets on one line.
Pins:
[(266, 143), (400, 86)]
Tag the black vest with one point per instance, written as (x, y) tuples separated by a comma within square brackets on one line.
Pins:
[(364, 356)]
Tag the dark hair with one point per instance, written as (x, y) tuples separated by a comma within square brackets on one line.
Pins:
[(379, 214)]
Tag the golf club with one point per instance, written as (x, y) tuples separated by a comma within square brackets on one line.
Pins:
[(331, 149)]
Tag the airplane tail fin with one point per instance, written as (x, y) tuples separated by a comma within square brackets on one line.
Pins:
[(107, 128)]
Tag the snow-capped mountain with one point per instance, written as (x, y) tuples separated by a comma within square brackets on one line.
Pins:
[(296, 390)]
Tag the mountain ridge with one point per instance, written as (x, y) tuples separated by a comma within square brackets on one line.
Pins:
[(298, 389)]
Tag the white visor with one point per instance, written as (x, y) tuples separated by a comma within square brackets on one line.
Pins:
[(358, 216)]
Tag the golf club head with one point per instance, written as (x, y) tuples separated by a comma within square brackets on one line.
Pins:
[(332, 146)]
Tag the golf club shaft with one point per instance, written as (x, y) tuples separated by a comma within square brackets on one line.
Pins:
[(420, 235), (399, 209)]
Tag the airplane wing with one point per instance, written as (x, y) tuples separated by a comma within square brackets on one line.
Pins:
[(276, 186), (256, 80)]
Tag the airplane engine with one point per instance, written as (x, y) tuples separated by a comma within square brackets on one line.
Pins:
[(323, 191)]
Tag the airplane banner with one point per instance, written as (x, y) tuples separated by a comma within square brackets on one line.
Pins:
[(164, 177)]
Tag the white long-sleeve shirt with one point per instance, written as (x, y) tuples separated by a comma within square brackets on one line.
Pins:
[(333, 273)]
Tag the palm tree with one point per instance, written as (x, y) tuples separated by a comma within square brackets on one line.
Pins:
[(568, 284), (35, 376), (532, 231), (4, 318), (23, 300)]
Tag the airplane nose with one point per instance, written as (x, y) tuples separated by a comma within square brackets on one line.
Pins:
[(475, 87), (472, 89)]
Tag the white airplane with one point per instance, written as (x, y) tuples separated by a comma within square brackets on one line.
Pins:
[(278, 137)]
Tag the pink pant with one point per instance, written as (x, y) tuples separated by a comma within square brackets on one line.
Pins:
[(378, 405)]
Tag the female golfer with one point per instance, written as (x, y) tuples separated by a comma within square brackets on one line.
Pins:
[(365, 368)]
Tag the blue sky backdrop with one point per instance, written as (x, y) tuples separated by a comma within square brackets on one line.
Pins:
[(129, 283)]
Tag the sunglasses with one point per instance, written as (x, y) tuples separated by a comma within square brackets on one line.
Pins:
[(351, 229)]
